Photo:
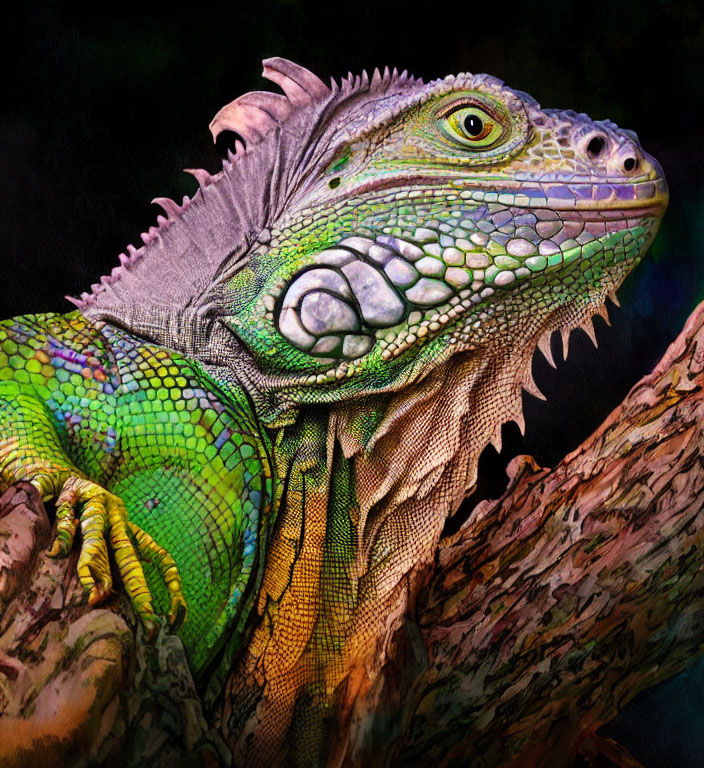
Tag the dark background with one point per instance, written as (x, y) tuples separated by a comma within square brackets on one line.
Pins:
[(101, 108)]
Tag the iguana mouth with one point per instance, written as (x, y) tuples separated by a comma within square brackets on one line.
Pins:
[(567, 195)]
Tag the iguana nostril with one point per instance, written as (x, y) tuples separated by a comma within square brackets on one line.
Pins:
[(596, 146), (629, 164)]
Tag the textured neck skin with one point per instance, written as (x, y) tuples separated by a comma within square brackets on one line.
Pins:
[(377, 269)]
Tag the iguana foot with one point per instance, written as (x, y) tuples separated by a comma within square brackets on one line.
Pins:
[(103, 514)]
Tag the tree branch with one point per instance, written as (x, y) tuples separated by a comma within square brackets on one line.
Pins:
[(76, 686)]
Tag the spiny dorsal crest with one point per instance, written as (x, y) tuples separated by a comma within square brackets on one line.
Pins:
[(164, 289), (255, 114)]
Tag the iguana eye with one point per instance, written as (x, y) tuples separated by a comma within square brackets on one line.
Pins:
[(471, 125)]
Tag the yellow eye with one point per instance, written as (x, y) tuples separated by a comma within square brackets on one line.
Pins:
[(471, 125)]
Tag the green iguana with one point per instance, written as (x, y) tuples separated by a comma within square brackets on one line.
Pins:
[(267, 412)]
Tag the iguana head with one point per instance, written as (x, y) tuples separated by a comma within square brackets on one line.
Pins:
[(373, 230)]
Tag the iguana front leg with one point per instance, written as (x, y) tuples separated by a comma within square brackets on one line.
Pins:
[(103, 513), (39, 403)]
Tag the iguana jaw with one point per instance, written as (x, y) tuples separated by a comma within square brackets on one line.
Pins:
[(465, 323)]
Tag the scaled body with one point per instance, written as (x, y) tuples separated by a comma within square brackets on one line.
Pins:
[(284, 393)]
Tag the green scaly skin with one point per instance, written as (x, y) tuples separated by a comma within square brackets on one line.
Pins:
[(188, 459), (290, 424)]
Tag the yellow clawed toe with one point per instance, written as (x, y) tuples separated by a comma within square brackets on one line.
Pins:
[(103, 517)]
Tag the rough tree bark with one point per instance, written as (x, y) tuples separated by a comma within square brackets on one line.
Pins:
[(77, 685), (544, 615)]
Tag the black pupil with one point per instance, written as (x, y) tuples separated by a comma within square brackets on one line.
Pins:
[(473, 125)]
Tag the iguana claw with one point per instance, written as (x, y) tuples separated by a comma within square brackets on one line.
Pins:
[(104, 513), (151, 551)]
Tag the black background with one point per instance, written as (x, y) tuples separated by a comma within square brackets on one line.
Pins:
[(103, 106)]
